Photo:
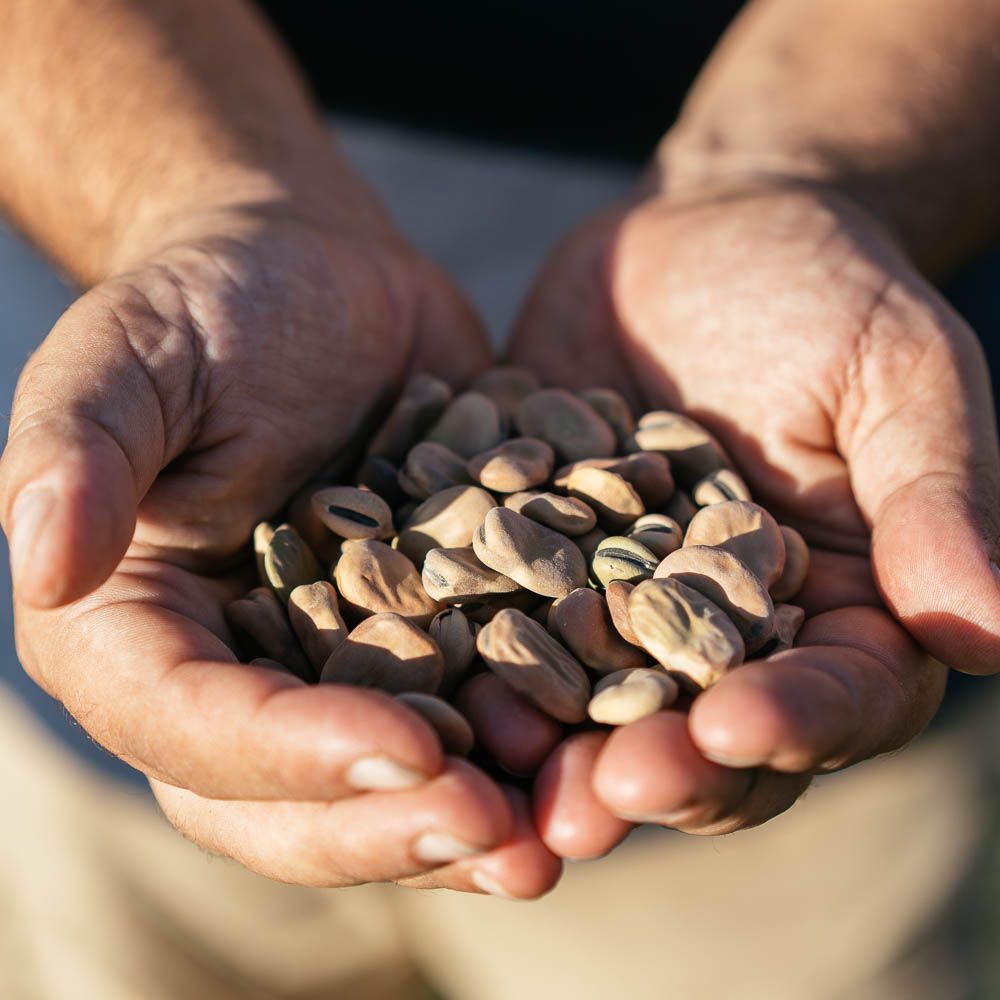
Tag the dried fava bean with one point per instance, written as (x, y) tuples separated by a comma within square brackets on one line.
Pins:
[(388, 652), (647, 472), (381, 477), (617, 595), (470, 425), (456, 637), (567, 515), (629, 695), (788, 619), (262, 536), (583, 622), (261, 626), (793, 576), (506, 385), (681, 508), (622, 558), (482, 611), (543, 612), (314, 613), (746, 530), (684, 632), (372, 578), (566, 422), (659, 533), (728, 583), (421, 402), (692, 450), (611, 405), (587, 544), (311, 529), (446, 520), (539, 559), (537, 667), (720, 486), (515, 464), (430, 468), (289, 562), (352, 512), (614, 500), (451, 726), (456, 576)]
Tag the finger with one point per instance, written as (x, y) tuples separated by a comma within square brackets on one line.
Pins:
[(925, 471), (571, 820), (369, 838), (651, 772), (87, 437), (516, 734), (857, 686), (520, 868), (164, 692)]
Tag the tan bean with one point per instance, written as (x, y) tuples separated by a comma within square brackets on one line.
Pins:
[(421, 402), (537, 667), (446, 520), (387, 652), (456, 576), (373, 578), (482, 611), (659, 533), (684, 632), (506, 385), (629, 695), (262, 536), (796, 568), (720, 486), (582, 621), (617, 594), (451, 726), (647, 472), (289, 562), (261, 627), (693, 451), (515, 464), (746, 530), (788, 620), (470, 425), (681, 508), (539, 559), (587, 544), (729, 584), (430, 468), (614, 500), (314, 613), (566, 515), (351, 512), (456, 637), (622, 558), (611, 405), (574, 429), (381, 477)]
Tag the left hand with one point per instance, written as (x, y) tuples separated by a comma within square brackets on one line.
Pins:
[(856, 405)]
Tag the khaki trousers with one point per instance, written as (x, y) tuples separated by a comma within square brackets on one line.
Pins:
[(876, 885)]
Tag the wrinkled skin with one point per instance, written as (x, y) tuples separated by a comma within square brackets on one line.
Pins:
[(857, 406), (189, 397)]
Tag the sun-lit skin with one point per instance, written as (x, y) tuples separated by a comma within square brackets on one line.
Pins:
[(250, 305), (766, 286)]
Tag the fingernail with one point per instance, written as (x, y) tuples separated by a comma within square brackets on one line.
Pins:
[(996, 570), (487, 884), (28, 515), (437, 848), (379, 774)]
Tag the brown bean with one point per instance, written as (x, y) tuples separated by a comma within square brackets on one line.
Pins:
[(583, 622), (451, 726), (796, 568), (446, 520), (746, 530), (421, 402), (470, 425), (566, 515), (574, 429), (314, 613), (261, 627), (351, 512)]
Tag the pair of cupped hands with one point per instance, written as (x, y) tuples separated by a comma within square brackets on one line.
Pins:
[(186, 397)]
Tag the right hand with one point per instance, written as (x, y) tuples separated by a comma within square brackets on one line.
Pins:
[(170, 409)]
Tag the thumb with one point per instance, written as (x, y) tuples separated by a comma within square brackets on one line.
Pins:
[(86, 440), (925, 471)]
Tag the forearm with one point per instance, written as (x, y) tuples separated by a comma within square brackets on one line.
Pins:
[(895, 104), (118, 115)]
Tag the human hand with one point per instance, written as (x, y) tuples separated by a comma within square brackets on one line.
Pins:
[(857, 406), (172, 407)]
